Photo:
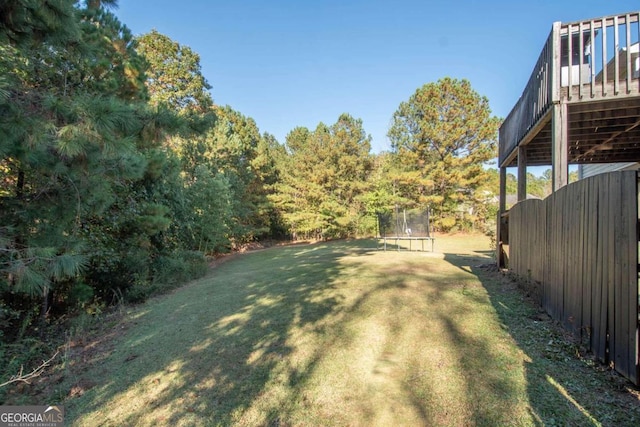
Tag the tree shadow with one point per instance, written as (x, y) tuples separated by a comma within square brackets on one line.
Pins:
[(218, 370), (219, 348), (560, 387)]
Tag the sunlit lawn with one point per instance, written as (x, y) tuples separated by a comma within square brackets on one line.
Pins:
[(334, 334)]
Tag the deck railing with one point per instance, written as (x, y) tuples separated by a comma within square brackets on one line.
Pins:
[(533, 103), (581, 61)]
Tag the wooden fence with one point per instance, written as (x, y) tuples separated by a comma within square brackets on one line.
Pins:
[(579, 248)]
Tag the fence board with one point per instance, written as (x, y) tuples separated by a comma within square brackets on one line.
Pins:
[(580, 248), (614, 261), (629, 282), (590, 218), (568, 253), (550, 254), (634, 289), (622, 285), (604, 259), (596, 304), (578, 266)]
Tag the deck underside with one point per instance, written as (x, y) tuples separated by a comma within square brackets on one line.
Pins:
[(600, 131)]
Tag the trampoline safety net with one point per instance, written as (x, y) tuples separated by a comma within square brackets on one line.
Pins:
[(404, 223)]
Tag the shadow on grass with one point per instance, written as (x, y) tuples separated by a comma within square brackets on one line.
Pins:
[(490, 395), (222, 348), (209, 350), (561, 388)]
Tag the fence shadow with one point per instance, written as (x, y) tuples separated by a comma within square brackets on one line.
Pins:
[(551, 364)]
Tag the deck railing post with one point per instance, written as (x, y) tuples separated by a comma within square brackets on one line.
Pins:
[(556, 69), (559, 119), (628, 55)]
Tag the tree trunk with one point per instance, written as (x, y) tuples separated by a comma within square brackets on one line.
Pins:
[(20, 184), (46, 296)]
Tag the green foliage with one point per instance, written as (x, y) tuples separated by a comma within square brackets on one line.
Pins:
[(18, 349), (323, 177), (81, 294), (210, 199), (20, 354), (169, 271), (234, 142), (445, 224), (23, 22), (78, 155), (442, 136), (117, 173), (174, 77), (179, 267)]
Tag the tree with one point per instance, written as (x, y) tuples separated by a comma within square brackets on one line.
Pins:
[(25, 22), (324, 177), (174, 77), (38, 147), (77, 147), (442, 136), (388, 184)]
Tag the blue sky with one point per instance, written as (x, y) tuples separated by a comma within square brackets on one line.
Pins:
[(297, 63)]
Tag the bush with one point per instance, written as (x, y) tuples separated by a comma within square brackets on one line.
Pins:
[(367, 226), (169, 272), (80, 295), (446, 224), (114, 272), (139, 293), (25, 353), (179, 267)]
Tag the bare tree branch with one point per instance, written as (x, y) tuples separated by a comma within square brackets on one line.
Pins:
[(26, 378)]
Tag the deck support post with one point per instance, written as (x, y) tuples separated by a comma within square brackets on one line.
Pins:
[(559, 146), (559, 117), (522, 173), (502, 202), (502, 205)]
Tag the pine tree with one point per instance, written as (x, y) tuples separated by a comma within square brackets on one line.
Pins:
[(77, 142), (174, 77), (323, 179), (442, 136)]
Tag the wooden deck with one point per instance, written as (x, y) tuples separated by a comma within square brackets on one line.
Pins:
[(597, 98)]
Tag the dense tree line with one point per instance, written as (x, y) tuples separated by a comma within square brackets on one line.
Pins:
[(324, 174), (119, 174)]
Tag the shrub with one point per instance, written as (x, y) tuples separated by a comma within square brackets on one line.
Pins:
[(179, 267)]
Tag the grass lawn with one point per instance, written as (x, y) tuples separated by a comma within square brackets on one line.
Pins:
[(341, 334)]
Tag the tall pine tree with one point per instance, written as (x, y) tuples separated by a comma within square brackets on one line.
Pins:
[(442, 136)]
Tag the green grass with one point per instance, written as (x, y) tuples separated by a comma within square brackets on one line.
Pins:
[(341, 334)]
